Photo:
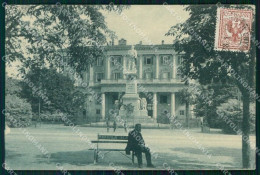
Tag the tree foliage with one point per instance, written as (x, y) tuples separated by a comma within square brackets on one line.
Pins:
[(200, 62), (232, 109), (209, 99), (195, 40), (13, 37), (12, 86), (80, 29), (54, 90)]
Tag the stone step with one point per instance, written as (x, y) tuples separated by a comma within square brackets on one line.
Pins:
[(130, 125)]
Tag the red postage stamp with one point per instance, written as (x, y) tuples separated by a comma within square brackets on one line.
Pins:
[(233, 29)]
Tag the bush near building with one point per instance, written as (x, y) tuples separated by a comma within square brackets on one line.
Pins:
[(18, 111)]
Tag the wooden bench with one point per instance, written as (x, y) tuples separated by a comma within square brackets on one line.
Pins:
[(112, 139)]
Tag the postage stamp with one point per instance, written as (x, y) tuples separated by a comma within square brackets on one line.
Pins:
[(233, 29)]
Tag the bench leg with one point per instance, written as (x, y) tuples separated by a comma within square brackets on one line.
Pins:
[(95, 157)]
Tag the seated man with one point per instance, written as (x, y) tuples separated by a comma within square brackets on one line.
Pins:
[(136, 144)]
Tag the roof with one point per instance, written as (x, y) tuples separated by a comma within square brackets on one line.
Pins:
[(137, 47)]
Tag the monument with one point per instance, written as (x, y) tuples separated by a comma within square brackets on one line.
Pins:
[(131, 96)]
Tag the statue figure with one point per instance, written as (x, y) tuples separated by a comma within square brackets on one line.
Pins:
[(139, 104), (143, 104), (132, 59)]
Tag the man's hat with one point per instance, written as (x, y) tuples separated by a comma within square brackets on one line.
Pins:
[(138, 124)]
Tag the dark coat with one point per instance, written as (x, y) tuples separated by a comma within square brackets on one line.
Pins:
[(135, 141)]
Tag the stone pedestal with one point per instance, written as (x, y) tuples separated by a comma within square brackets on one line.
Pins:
[(132, 97)]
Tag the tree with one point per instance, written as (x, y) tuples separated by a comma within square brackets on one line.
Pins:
[(208, 98), (13, 38), (80, 29), (206, 65), (12, 86), (53, 90), (185, 97)]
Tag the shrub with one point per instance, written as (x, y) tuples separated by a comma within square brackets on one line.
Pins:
[(163, 118), (18, 111), (232, 109)]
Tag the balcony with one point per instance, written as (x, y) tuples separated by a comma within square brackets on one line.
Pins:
[(144, 81)]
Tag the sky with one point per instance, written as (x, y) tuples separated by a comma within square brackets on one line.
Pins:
[(151, 20)]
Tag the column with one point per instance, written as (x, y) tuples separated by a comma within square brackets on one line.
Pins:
[(124, 66), (108, 73), (91, 74), (174, 68), (173, 104), (140, 67), (103, 105), (154, 105), (157, 61)]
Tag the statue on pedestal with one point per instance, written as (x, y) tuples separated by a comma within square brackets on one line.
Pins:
[(131, 97), (131, 60)]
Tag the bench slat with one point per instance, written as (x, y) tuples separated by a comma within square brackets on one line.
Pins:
[(107, 141), (112, 137), (108, 149)]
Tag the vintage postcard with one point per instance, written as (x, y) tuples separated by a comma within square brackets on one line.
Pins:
[(130, 87)]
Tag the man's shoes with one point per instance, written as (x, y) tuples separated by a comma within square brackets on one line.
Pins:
[(151, 166)]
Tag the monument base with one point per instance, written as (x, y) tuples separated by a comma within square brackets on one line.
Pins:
[(138, 116)]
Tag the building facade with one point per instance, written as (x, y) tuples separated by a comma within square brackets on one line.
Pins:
[(157, 81)]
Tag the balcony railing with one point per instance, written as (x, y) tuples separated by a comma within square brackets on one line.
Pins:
[(143, 81)]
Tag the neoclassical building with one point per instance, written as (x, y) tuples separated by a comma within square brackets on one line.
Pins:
[(157, 81)]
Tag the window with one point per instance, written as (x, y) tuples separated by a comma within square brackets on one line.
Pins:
[(149, 106), (97, 111), (181, 112), (165, 60), (117, 76), (99, 62), (99, 77), (148, 60), (116, 61), (163, 99)]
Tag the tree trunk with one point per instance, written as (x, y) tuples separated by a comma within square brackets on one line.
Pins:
[(39, 110), (187, 106), (246, 131), (246, 115)]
